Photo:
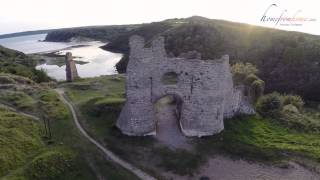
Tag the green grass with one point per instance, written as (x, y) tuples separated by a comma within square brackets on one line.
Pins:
[(53, 164), (51, 106), (305, 121), (26, 153), (18, 99), (20, 139), (64, 132), (256, 138)]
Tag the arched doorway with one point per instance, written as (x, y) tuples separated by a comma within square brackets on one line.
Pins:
[(168, 131)]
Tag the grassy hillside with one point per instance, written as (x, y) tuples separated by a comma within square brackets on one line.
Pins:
[(49, 148), (38, 140), (287, 61), (102, 33), (17, 63)]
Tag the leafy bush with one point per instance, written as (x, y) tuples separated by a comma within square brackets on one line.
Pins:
[(298, 121), (257, 89), (41, 76), (250, 79), (243, 72), (269, 104), (289, 108), (295, 100)]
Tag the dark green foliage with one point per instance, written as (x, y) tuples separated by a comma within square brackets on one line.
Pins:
[(270, 104), (289, 108), (51, 165), (244, 73), (257, 89), (289, 111), (295, 100), (299, 121), (250, 79), (104, 33), (40, 76), (257, 138)]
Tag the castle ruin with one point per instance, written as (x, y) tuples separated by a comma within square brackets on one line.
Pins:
[(203, 88), (71, 69)]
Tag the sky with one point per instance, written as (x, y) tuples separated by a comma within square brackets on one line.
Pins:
[(25, 15)]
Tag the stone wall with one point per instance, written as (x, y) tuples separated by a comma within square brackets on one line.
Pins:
[(204, 88)]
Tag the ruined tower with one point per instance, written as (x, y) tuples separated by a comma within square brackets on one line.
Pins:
[(71, 69), (204, 89)]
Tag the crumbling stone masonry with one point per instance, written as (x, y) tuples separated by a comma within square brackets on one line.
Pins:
[(204, 90), (71, 69)]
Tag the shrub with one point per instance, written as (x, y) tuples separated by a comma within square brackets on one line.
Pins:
[(241, 71), (51, 165), (269, 104), (290, 109), (257, 89), (250, 79), (40, 76), (295, 100)]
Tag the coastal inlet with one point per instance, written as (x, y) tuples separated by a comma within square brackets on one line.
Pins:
[(91, 60)]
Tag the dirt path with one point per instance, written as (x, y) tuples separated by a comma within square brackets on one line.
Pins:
[(108, 153)]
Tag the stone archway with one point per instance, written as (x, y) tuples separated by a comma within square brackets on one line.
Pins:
[(168, 129)]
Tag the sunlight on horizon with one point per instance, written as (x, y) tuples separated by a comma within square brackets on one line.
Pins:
[(19, 15)]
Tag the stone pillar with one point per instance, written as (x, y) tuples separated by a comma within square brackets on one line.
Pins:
[(71, 69)]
